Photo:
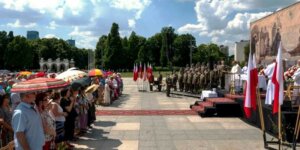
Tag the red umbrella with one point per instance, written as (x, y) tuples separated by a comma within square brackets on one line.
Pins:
[(40, 74), (39, 84), (95, 72), (108, 73)]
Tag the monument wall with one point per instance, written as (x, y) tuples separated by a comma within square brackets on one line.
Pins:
[(267, 32)]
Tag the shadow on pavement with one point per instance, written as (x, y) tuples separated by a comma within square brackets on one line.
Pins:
[(96, 138), (104, 123), (120, 101)]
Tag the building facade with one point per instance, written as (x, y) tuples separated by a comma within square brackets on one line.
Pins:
[(239, 47), (71, 42), (32, 35), (57, 65)]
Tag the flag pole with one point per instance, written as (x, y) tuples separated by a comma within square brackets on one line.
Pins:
[(261, 117), (260, 109), (279, 127), (296, 131)]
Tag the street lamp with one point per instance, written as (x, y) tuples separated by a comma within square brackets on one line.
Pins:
[(191, 50)]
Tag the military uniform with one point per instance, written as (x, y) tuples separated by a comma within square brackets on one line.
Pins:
[(180, 80), (169, 85), (174, 80), (159, 81)]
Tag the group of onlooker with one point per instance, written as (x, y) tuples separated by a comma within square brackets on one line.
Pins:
[(110, 89), (51, 119)]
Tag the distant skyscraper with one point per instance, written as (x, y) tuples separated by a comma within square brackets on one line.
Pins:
[(71, 42), (32, 35)]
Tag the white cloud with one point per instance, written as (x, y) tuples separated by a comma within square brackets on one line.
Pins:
[(130, 4), (124, 33), (52, 25), (48, 36), (191, 28), (84, 39), (131, 23), (137, 6), (226, 22), (57, 8), (18, 24)]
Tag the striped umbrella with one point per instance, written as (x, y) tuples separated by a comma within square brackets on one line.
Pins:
[(39, 84), (25, 73), (95, 72), (71, 75)]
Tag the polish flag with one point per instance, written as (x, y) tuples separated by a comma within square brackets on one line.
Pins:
[(250, 94), (141, 70), (135, 72), (277, 80), (145, 73)]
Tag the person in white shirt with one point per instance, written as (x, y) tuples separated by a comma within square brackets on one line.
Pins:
[(235, 77), (270, 87), (245, 68)]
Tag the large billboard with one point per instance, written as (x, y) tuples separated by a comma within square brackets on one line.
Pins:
[(284, 26)]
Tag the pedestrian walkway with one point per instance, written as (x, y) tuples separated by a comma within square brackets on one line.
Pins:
[(150, 120)]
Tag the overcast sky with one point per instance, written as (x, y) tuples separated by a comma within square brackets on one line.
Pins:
[(219, 21)]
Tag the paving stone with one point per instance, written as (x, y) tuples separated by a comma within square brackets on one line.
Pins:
[(155, 132), (147, 143)]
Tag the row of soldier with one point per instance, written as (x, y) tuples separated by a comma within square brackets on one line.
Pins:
[(198, 77)]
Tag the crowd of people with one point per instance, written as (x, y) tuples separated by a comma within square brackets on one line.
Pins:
[(53, 119)]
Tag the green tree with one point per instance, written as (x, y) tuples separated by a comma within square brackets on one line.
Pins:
[(3, 46), (18, 54), (167, 49), (34, 44), (155, 43), (99, 52), (133, 47), (200, 54), (113, 51), (145, 54), (182, 46)]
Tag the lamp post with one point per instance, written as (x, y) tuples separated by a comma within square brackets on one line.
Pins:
[(191, 50)]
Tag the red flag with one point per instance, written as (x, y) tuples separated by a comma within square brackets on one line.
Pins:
[(250, 99), (135, 72), (145, 73), (277, 80)]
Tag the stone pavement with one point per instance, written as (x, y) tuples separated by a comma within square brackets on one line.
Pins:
[(165, 132)]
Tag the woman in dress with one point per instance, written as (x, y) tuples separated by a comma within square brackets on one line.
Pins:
[(107, 94), (67, 103), (6, 116), (59, 116), (42, 104)]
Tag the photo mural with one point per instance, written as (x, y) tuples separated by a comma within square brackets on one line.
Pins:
[(266, 34)]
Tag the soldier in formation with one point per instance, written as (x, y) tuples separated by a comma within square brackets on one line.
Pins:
[(197, 77)]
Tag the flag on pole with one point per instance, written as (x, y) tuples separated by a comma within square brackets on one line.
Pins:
[(150, 69), (141, 70), (250, 99), (135, 72), (145, 73), (277, 80)]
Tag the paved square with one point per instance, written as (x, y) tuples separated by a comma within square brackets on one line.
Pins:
[(165, 132)]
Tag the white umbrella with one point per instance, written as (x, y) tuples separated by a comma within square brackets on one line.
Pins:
[(71, 75)]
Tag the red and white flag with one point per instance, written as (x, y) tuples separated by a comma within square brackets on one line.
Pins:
[(141, 70), (135, 72), (277, 80), (145, 73), (250, 94)]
